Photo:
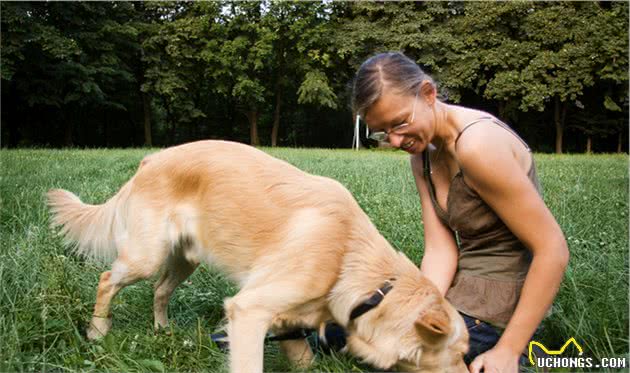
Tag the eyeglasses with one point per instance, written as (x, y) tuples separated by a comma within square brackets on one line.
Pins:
[(384, 135)]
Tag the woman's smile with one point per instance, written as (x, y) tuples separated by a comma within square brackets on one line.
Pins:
[(411, 145), (407, 145)]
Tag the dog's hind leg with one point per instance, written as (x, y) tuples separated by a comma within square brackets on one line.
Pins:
[(124, 272), (102, 319), (298, 352), (177, 270)]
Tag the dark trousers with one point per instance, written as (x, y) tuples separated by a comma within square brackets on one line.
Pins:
[(482, 337)]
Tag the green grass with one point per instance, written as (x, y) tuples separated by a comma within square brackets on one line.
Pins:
[(46, 294)]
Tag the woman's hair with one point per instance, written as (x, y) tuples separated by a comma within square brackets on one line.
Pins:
[(393, 70)]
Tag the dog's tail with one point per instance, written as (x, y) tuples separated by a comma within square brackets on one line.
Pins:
[(91, 229)]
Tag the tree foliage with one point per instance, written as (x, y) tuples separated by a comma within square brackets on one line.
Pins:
[(280, 70)]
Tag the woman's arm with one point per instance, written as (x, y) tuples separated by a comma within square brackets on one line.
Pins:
[(439, 262), (502, 183)]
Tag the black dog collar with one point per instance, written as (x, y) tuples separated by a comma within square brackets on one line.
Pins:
[(372, 301)]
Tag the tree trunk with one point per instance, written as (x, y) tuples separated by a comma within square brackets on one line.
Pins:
[(140, 77), (252, 116), (560, 113), (67, 135), (276, 116), (619, 142), (14, 135), (106, 128), (589, 144), (169, 123), (501, 107), (146, 106), (279, 76), (10, 117)]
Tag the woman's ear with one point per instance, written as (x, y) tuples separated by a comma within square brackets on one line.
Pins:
[(428, 92)]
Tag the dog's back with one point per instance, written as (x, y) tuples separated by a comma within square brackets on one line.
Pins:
[(221, 202), (237, 203)]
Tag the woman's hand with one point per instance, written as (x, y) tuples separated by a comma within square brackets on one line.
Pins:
[(495, 360)]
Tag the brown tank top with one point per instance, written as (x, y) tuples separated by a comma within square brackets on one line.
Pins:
[(492, 262)]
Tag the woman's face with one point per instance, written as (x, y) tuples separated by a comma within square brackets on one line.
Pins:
[(407, 120)]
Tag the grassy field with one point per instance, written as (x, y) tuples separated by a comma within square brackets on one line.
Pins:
[(47, 295)]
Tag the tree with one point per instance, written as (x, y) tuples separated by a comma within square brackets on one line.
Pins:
[(535, 54), (609, 32), (108, 73), (492, 52), (301, 50), (174, 73), (147, 26), (68, 56), (236, 59)]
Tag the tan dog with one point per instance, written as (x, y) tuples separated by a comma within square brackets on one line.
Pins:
[(298, 245)]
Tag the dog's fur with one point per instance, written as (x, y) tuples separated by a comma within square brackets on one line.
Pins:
[(298, 245)]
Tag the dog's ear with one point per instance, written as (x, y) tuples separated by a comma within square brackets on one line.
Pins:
[(434, 321), (382, 357)]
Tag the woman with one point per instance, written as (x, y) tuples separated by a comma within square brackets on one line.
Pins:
[(492, 247)]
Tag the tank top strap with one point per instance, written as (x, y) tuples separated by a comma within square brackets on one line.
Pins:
[(442, 215), (468, 125), (494, 120)]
